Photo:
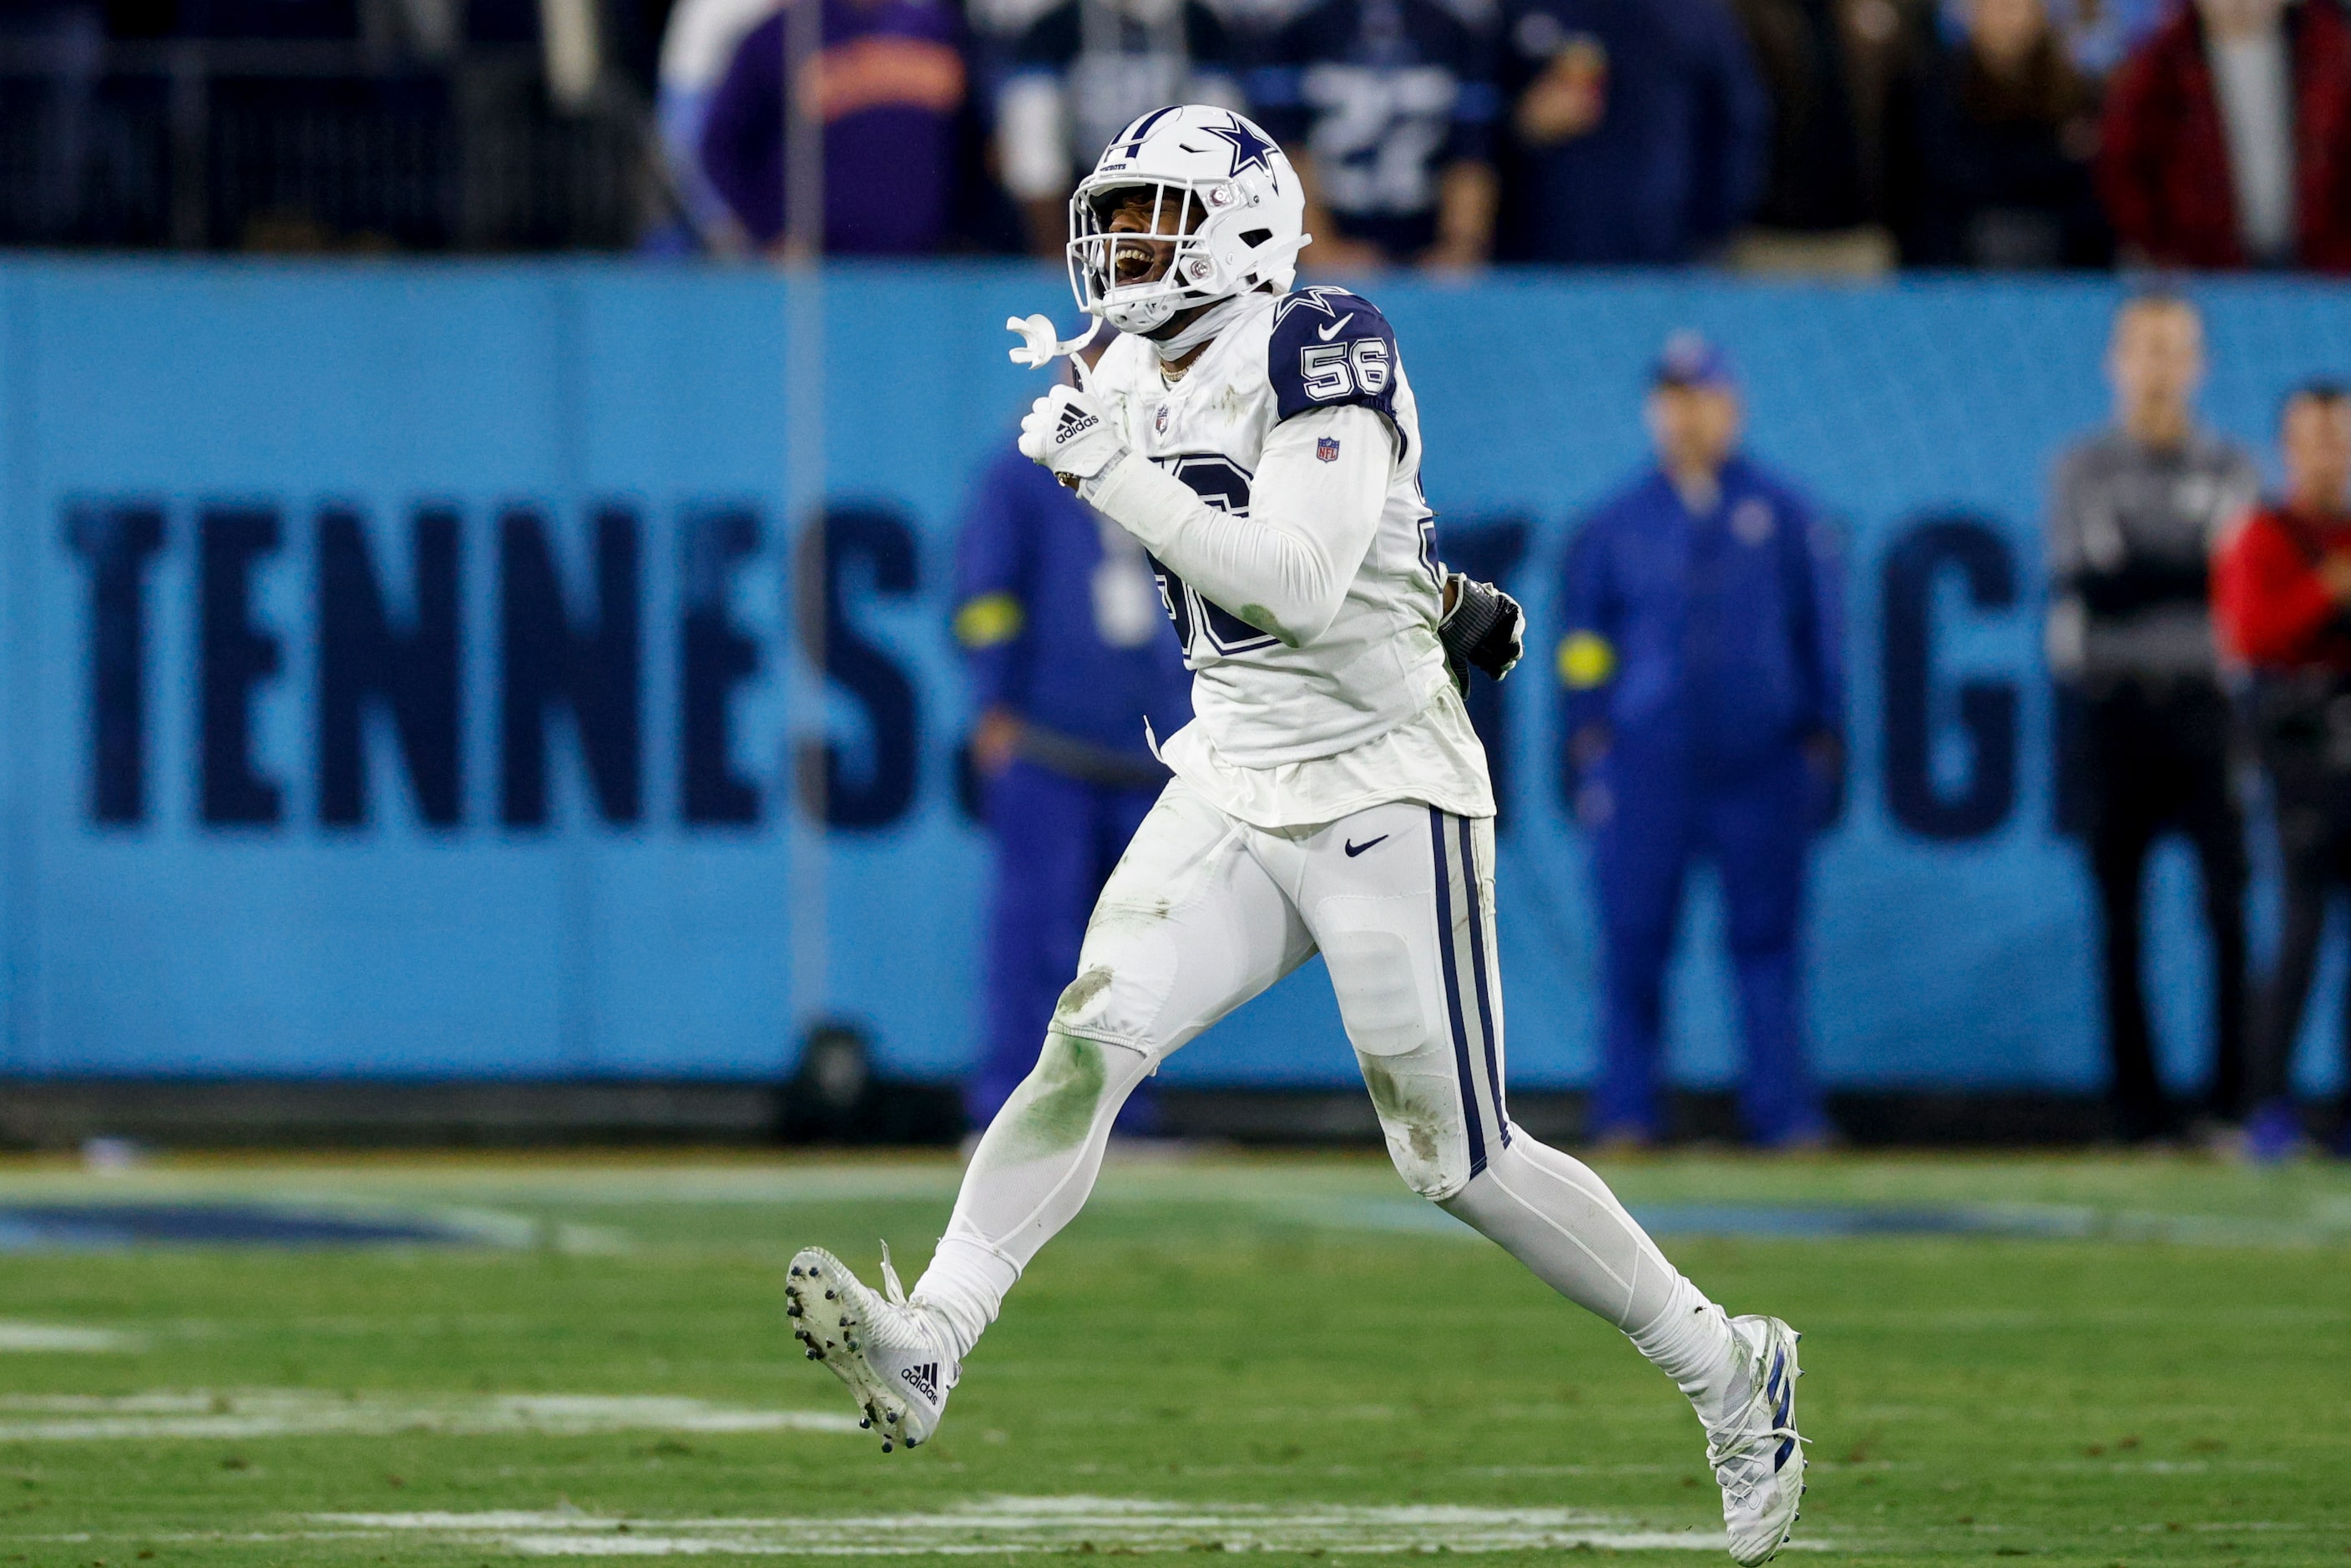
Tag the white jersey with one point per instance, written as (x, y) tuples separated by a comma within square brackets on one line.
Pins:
[(1290, 727)]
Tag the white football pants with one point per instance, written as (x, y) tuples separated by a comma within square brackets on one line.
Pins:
[(1203, 912)]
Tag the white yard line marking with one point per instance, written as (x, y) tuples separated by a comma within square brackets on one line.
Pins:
[(1005, 1524), (498, 1227), (2148, 1467), (1568, 1470), (304, 1413), (35, 1338)]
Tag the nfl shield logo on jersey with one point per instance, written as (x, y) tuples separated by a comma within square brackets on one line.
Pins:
[(1326, 450), (1159, 419)]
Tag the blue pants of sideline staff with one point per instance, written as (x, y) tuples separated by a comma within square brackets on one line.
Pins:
[(1057, 839), (1649, 824)]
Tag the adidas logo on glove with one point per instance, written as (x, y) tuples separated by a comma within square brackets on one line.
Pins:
[(1069, 432)]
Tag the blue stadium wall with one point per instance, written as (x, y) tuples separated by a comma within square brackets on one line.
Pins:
[(231, 490)]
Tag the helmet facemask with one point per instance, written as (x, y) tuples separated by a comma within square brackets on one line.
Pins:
[(1138, 278)]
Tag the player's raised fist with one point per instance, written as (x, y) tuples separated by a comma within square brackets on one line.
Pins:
[(1067, 432)]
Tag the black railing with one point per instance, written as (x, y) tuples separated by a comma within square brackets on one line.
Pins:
[(211, 145)]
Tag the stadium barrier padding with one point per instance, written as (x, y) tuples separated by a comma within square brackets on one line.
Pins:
[(407, 668)]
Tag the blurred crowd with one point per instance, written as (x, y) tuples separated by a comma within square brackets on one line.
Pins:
[(1812, 135), (1815, 135)]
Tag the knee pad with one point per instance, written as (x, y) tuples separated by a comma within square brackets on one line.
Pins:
[(1419, 1098), (1384, 972)]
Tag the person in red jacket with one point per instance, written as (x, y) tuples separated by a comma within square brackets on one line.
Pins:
[(2282, 576), (2226, 140), (2282, 606)]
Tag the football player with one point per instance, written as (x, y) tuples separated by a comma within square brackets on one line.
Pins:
[(1329, 795)]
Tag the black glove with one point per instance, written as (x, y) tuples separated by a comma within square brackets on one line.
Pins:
[(1485, 627)]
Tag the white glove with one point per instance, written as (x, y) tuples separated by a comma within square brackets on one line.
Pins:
[(1067, 432)]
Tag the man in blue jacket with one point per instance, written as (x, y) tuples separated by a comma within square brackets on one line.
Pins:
[(1069, 651), (1704, 674)]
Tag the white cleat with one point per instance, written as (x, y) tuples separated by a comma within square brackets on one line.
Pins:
[(1757, 1456), (894, 1355)]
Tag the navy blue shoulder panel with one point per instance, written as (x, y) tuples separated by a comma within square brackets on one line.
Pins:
[(1331, 349)]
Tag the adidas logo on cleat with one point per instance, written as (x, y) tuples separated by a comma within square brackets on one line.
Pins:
[(923, 1380)]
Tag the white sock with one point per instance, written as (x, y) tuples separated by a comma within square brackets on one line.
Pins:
[(1691, 1343), (964, 1286)]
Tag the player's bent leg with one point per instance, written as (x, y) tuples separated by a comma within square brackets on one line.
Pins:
[(1556, 1216), (901, 1357), (1410, 946), (1188, 927), (1409, 942)]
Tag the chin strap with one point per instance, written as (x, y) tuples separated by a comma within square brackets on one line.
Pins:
[(1210, 322), (1223, 313)]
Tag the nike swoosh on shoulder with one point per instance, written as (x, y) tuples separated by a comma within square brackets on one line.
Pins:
[(1327, 333)]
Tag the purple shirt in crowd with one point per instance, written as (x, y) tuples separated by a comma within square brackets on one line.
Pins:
[(889, 83)]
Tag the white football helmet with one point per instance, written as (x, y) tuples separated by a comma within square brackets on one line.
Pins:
[(1221, 194)]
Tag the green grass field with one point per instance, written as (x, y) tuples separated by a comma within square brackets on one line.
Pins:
[(2134, 1361)]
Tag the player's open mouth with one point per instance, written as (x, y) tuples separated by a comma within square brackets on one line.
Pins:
[(1138, 261)]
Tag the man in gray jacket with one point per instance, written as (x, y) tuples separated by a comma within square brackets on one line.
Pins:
[(2137, 510)]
